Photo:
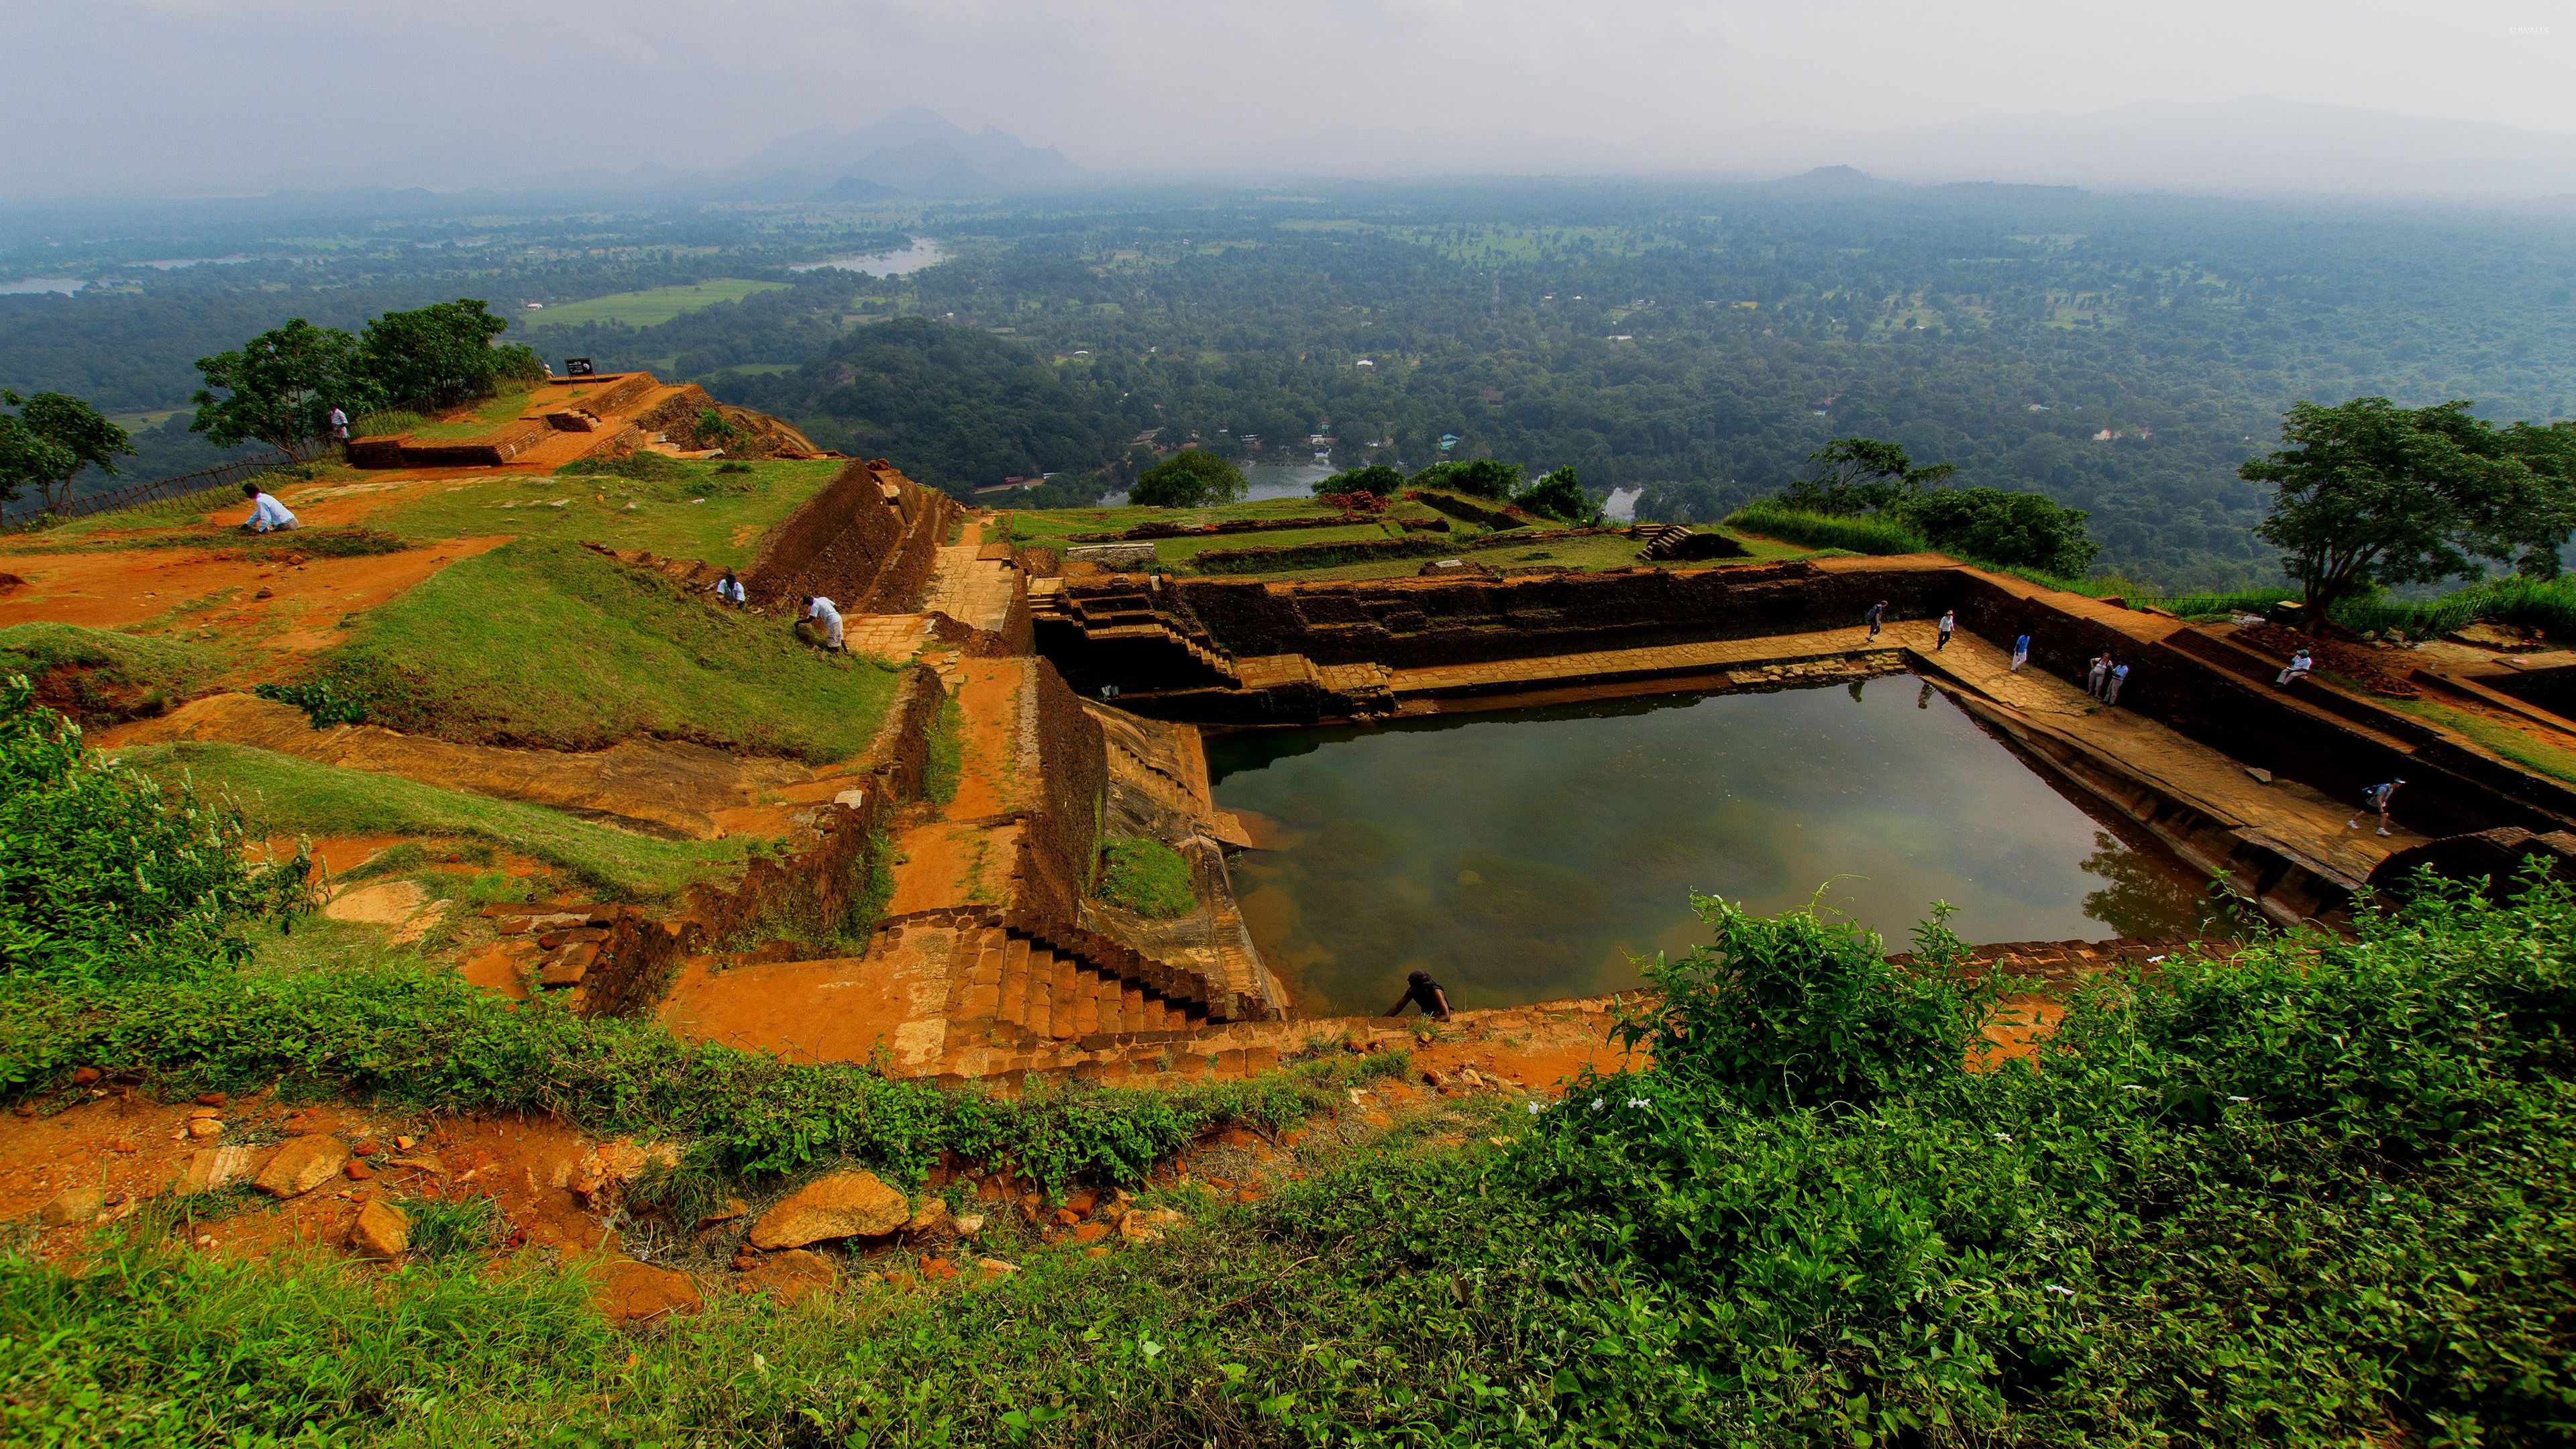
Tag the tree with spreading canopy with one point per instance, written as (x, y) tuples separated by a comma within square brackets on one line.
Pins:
[(1560, 496), (2370, 494), (279, 388), (1190, 478), (1861, 475), (52, 438), (1376, 478), (444, 354), (1477, 477)]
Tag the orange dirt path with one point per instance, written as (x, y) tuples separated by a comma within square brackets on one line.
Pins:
[(123, 588)]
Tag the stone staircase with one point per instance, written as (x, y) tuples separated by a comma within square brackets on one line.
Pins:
[(1024, 983), (1661, 540), (1128, 624)]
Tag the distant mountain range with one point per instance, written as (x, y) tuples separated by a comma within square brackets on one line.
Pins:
[(913, 152)]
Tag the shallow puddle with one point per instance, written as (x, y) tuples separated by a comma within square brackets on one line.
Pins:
[(1529, 855)]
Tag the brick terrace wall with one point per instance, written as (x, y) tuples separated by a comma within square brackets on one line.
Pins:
[(1406, 623), (817, 886), (855, 544), (1061, 844)]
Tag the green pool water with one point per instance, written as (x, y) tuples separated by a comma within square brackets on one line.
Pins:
[(1530, 855)]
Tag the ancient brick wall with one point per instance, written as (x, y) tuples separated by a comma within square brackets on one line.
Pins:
[(1407, 623), (1062, 841), (869, 541)]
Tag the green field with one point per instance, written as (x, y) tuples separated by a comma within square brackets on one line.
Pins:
[(284, 795), (667, 517), (484, 417), (649, 308), (544, 643)]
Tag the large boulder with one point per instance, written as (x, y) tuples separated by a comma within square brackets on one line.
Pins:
[(633, 1292), (841, 1205)]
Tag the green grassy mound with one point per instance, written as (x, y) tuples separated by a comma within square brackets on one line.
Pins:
[(548, 644), (1825, 530), (283, 795), (717, 512), (107, 671)]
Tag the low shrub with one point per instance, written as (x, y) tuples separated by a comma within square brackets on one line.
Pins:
[(1147, 877), (320, 703), (642, 467)]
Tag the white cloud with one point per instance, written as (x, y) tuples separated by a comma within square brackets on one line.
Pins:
[(227, 94)]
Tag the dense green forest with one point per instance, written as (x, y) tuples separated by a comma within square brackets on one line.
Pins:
[(2121, 355)]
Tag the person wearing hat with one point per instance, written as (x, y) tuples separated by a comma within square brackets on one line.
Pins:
[(2376, 798), (1421, 990)]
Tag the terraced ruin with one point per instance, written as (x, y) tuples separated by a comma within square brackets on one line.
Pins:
[(988, 853)]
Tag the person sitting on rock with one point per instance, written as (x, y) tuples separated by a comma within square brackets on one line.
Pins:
[(824, 612), (2300, 665), (1421, 990), (265, 511)]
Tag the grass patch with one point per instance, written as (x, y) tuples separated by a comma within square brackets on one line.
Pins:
[(648, 308), (2515, 745), (686, 510), (487, 416), (1825, 530), (544, 643), (283, 795), (1147, 877), (452, 1227)]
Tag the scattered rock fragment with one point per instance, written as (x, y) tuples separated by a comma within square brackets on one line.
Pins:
[(969, 1224), (73, 1205), (633, 1292), (302, 1165), (1147, 1225), (381, 1231), (840, 1205), (790, 1275), (932, 1218), (996, 1268), (210, 1168)]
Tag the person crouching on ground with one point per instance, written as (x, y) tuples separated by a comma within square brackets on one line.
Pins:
[(266, 512), (729, 590), (824, 612), (1420, 990)]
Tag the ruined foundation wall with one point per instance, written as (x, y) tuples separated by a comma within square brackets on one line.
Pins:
[(1062, 841), (814, 889), (869, 541), (1410, 623)]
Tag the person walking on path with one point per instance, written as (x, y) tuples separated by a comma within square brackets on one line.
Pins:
[(2376, 799), (2097, 674), (2119, 676), (1949, 622), (1877, 615), (824, 612), (266, 512), (1420, 990), (2300, 664), (339, 426), (2021, 652)]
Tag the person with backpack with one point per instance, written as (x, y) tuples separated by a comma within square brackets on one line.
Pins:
[(2376, 799)]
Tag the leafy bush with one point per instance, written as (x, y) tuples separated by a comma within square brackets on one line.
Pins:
[(108, 874), (1999, 527), (1376, 478), (1825, 530), (1485, 478), (1559, 496), (1147, 877), (1190, 478), (319, 703)]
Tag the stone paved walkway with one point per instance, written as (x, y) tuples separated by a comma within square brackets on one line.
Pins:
[(970, 589)]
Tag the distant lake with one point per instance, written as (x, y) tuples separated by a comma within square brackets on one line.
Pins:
[(27, 285), (923, 252), (1268, 480), (172, 264)]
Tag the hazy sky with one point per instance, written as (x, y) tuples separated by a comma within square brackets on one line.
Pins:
[(223, 95)]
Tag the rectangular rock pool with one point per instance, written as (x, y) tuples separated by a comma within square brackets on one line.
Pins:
[(1530, 855)]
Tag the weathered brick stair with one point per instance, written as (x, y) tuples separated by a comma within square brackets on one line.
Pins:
[(1030, 983)]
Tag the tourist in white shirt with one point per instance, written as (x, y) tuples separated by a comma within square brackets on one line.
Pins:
[(265, 511), (824, 612)]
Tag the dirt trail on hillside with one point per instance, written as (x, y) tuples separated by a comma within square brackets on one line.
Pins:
[(667, 786), (965, 853)]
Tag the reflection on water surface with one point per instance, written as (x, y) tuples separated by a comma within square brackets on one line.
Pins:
[(1528, 855)]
